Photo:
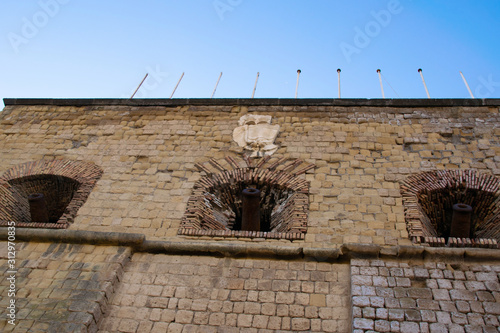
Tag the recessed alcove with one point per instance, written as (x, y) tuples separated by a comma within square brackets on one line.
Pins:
[(65, 186), (215, 206), (428, 199), (58, 192)]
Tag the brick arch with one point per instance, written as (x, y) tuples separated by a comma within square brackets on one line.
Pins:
[(213, 208), (428, 198), (66, 185)]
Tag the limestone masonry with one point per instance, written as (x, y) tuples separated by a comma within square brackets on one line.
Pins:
[(144, 204)]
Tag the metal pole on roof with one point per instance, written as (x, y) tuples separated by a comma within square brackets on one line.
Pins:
[(215, 88), (338, 74), (255, 85), (467, 85), (381, 86), (297, 86), (173, 92), (423, 81), (140, 84)]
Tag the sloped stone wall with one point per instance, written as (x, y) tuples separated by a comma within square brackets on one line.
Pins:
[(61, 287)]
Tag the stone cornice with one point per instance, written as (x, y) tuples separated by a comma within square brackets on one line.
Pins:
[(139, 243), (400, 102)]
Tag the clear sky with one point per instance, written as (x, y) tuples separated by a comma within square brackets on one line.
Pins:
[(103, 49)]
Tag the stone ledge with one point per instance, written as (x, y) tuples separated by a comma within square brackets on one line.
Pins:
[(221, 249), (138, 243), (75, 237), (399, 102)]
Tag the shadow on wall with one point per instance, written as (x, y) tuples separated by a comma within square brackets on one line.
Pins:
[(429, 198), (65, 186), (215, 207)]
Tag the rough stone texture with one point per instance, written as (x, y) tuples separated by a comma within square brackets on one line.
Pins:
[(214, 293), (61, 287), (256, 134), (428, 303), (148, 151), (148, 155)]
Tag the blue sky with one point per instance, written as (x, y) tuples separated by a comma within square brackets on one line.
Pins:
[(103, 49)]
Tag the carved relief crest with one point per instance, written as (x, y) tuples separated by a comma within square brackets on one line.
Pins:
[(256, 134)]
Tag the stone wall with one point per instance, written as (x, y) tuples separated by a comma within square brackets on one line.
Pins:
[(60, 287), (206, 294), (80, 279), (148, 154), (389, 296)]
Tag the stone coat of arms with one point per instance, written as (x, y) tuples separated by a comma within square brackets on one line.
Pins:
[(256, 134)]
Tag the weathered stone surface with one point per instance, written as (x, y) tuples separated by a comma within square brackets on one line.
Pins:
[(148, 153), (362, 151), (256, 134), (367, 324), (209, 298), (448, 304)]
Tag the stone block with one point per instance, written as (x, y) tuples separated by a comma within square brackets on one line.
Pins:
[(485, 296), (274, 323), (408, 326), (184, 316), (420, 293), (128, 325), (403, 282), (361, 323), (395, 326), (456, 328), (438, 328), (382, 326), (368, 313), (300, 324), (492, 307), (252, 308), (244, 320), (381, 313), (392, 303), (444, 294), (408, 303), (380, 281), (260, 321), (475, 319), (413, 315), (361, 301), (448, 306), (483, 276), (201, 318), (475, 285), (463, 295), (325, 326), (285, 298), (476, 306), (396, 314)]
